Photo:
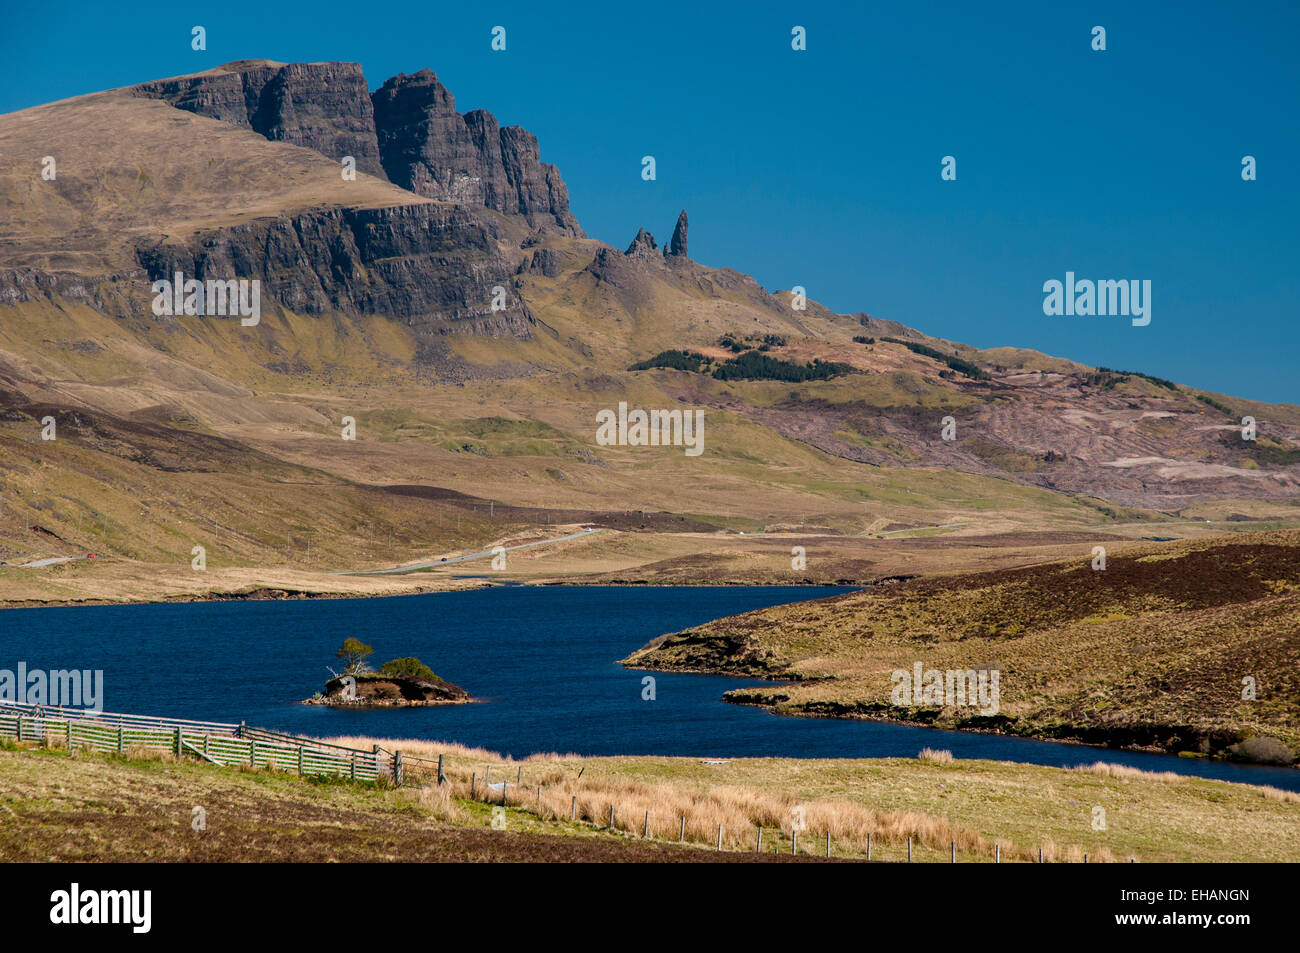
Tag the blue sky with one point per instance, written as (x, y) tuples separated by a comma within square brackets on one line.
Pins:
[(821, 168)]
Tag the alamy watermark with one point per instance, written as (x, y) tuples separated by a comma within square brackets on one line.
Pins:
[(1085, 297), (952, 688), (652, 428), (59, 688), (74, 906), (233, 298)]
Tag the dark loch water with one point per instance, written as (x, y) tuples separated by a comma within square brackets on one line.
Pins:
[(541, 660)]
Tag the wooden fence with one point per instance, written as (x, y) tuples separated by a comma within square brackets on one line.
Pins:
[(241, 745), (215, 742)]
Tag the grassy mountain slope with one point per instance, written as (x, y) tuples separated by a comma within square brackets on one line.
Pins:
[(1150, 651), (167, 426), (130, 168)]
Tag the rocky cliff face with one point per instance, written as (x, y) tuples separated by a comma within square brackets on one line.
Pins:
[(429, 148), (431, 266), (322, 106), (408, 132)]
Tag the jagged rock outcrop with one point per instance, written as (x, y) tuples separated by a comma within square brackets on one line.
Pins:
[(609, 267), (544, 261), (429, 148), (642, 245), (677, 247), (627, 277), (322, 106), (431, 266), (407, 131)]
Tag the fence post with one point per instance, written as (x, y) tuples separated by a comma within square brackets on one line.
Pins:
[(573, 809), (1040, 855), (519, 776), (473, 780), (398, 774), (997, 853), (69, 724), (539, 800), (178, 743), (121, 739), (681, 838), (954, 852), (442, 778), (758, 845), (719, 837), (828, 843), (20, 727), (252, 754), (909, 849), (505, 787), (352, 766), (645, 831), (611, 817), (868, 847), (300, 760), (206, 739)]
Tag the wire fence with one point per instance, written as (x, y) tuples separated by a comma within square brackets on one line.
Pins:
[(548, 797)]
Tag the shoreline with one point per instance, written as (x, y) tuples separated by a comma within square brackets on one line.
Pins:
[(282, 594), (774, 709), (477, 583), (261, 594)]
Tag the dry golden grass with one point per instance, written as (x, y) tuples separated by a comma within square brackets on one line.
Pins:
[(441, 803), (938, 757), (105, 808), (1106, 770), (977, 804), (739, 811), (1103, 769)]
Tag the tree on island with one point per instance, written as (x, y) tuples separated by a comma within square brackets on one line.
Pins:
[(354, 653), (411, 668)]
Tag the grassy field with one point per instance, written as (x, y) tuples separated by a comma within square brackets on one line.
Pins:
[(56, 807), (653, 556), (1156, 650)]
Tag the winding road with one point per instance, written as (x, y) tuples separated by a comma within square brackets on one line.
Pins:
[(397, 570)]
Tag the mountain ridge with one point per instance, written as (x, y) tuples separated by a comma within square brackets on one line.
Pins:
[(473, 332), (407, 131)]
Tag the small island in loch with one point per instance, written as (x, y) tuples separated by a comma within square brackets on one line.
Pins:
[(400, 683)]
